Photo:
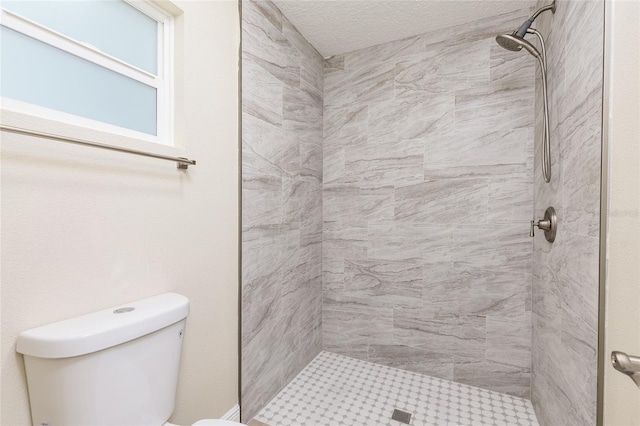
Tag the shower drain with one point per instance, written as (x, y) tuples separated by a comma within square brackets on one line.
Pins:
[(401, 416)]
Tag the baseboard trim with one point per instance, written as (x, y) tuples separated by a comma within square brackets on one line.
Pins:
[(233, 414)]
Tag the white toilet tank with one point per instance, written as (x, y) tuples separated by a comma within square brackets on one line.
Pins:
[(118, 366)]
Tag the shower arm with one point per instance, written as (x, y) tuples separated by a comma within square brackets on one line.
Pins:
[(546, 144), (525, 26), (551, 7)]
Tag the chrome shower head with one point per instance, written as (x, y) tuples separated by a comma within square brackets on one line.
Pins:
[(515, 44), (515, 41)]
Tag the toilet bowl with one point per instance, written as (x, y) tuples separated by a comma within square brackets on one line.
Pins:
[(118, 366)]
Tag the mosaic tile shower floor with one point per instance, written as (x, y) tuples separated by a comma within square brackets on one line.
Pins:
[(337, 390)]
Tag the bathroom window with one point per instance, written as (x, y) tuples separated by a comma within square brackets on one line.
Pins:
[(106, 65)]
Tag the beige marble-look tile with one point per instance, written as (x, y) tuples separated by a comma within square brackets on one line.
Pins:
[(443, 70), (565, 279), (294, 293), (583, 62), (294, 194), (311, 257), (369, 84), (302, 108), (261, 384), (496, 376), (384, 160), (266, 102), (384, 53), (344, 241), (357, 204), (361, 322), (507, 66), (579, 127), (499, 106), (456, 201), (410, 242), (479, 29), (581, 183), (262, 32), (311, 162), (413, 359), (261, 299), (452, 334), (578, 338), (440, 171), (488, 153), (509, 342), (264, 12), (261, 155), (311, 72), (282, 127), (411, 118), (477, 292), (459, 154), (261, 196), (510, 200), (340, 242), (333, 165), (334, 94), (333, 64), (344, 333), (303, 49), (266, 249), (574, 264), (384, 283), (288, 74), (263, 369), (344, 125), (509, 247), (300, 358)]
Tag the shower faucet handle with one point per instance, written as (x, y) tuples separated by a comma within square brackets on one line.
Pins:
[(549, 225), (545, 225)]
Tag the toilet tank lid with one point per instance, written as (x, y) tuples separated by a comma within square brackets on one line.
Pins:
[(103, 329)]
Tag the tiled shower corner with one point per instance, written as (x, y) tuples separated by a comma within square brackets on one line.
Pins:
[(338, 390)]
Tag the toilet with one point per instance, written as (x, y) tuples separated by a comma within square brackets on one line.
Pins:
[(117, 367)]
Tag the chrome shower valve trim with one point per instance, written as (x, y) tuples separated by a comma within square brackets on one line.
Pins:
[(549, 225)]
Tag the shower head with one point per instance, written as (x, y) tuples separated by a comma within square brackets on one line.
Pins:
[(515, 43)]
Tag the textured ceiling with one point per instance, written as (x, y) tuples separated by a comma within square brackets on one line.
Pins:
[(339, 26)]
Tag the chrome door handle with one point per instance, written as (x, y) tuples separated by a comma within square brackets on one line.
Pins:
[(627, 364)]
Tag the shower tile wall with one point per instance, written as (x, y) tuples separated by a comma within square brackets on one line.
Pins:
[(565, 273), (427, 197), (282, 203)]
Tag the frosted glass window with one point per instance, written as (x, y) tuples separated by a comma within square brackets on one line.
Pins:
[(114, 27), (37, 73)]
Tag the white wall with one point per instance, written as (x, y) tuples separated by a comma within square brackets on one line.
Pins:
[(622, 312), (85, 229)]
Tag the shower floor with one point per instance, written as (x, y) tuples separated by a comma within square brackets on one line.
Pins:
[(338, 390)]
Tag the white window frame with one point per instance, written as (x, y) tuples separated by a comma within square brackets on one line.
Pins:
[(162, 82)]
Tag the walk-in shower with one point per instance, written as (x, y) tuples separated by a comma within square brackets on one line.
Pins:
[(515, 42), (371, 177)]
